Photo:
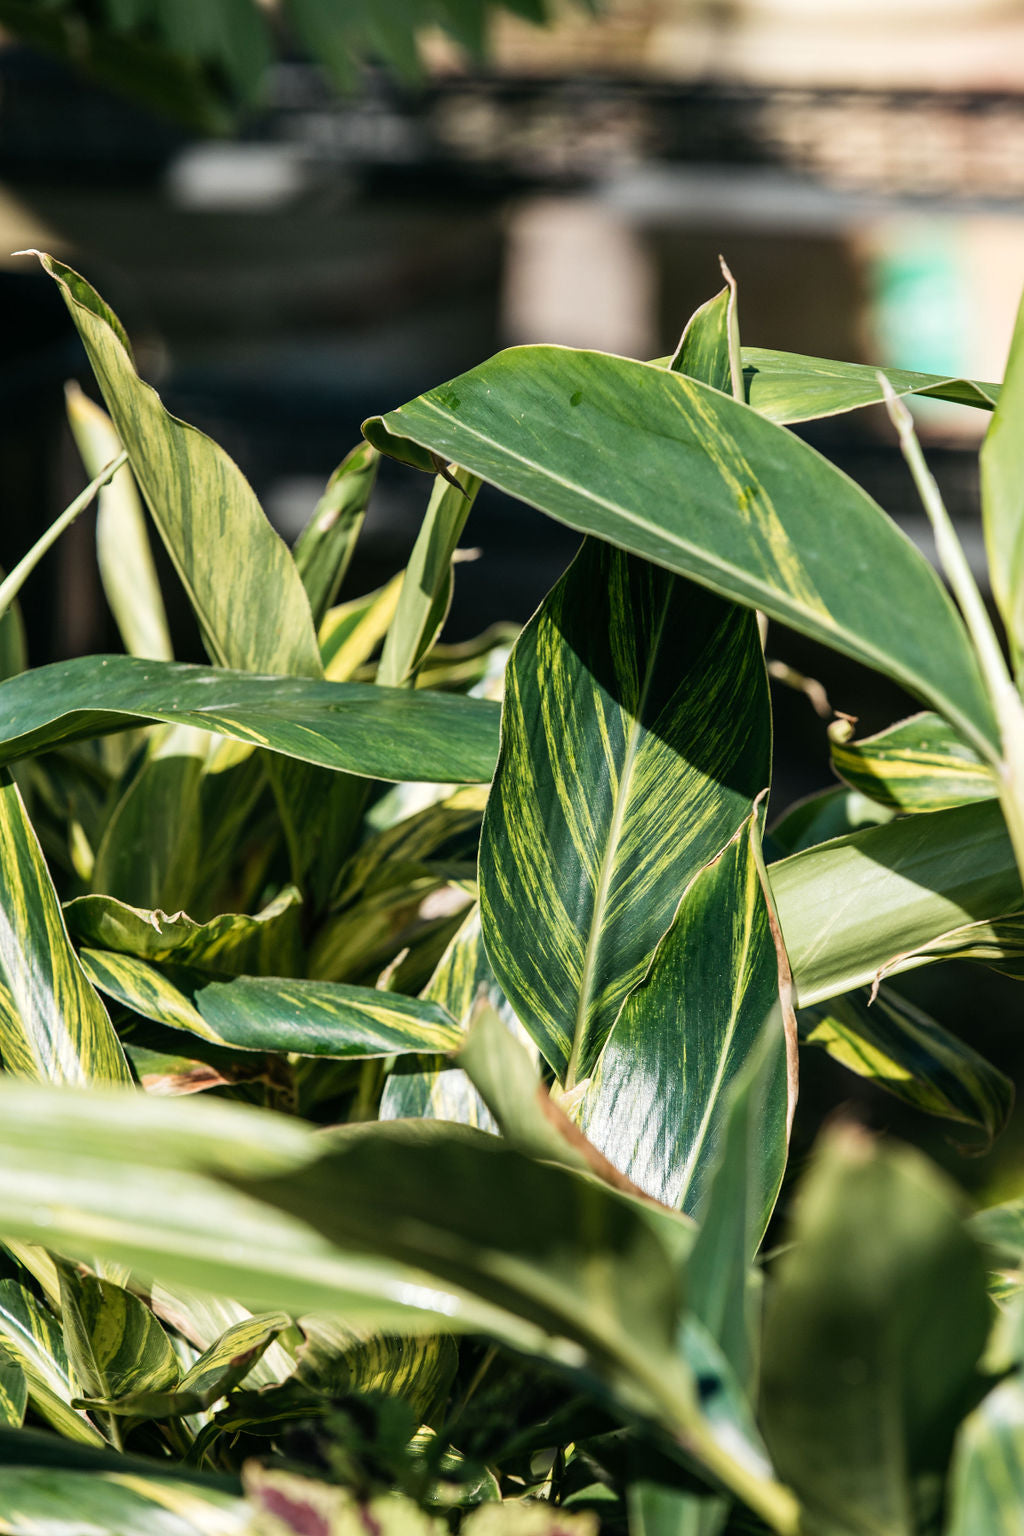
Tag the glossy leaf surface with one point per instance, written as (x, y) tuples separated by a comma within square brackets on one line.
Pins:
[(355, 727), (1002, 498), (31, 1337), (114, 1342), (232, 941), (658, 1104), (635, 737), (869, 903), (920, 764), (52, 1023), (264, 1013), (790, 387), (663, 466)]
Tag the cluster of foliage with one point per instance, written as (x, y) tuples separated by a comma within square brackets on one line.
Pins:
[(202, 61), (413, 1176)]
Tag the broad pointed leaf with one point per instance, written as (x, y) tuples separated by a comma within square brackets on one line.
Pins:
[(231, 942), (338, 1360), (635, 737), (870, 903), (95, 1503), (921, 764), (149, 852), (873, 1330), (356, 727), (264, 1013), (987, 1478), (710, 342), (665, 467), (31, 1337), (351, 633), (241, 580), (114, 1343), (789, 387), (659, 1102), (52, 1023)]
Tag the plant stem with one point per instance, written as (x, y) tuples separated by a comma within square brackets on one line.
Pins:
[(1006, 701), (15, 579)]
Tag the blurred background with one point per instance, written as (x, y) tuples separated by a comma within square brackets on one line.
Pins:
[(354, 232)]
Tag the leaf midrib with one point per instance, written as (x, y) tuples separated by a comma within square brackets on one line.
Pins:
[(603, 888)]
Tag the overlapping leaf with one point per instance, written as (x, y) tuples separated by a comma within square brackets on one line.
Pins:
[(107, 1503), (789, 387), (231, 942), (658, 1103), (920, 764), (30, 1336), (264, 1013), (987, 1477), (324, 548), (665, 467), (356, 727), (1002, 498), (52, 1023), (635, 737), (114, 1343)]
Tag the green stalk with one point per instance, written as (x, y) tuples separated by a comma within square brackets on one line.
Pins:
[(1005, 700), (15, 579)]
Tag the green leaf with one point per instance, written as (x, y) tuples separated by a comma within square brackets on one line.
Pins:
[(13, 1390), (150, 849), (122, 543), (339, 1360), (822, 816), (788, 387), (905, 1051), (324, 548), (31, 1338), (920, 764), (987, 1480), (94, 1503), (13, 648), (351, 633), (263, 1013), (241, 580), (441, 1091), (114, 1343), (1002, 499), (873, 1329), (603, 444), (356, 727), (658, 1104), (426, 593), (871, 903), (710, 343), (52, 1024), (635, 735), (231, 942), (216, 1372)]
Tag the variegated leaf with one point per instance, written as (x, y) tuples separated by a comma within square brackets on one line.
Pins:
[(52, 1023), (635, 736), (31, 1337), (13, 1390), (789, 387), (665, 467), (45, 1501), (987, 1476), (1002, 498), (114, 1343), (659, 1101), (921, 764), (904, 1051), (356, 727), (351, 633), (241, 580), (338, 1360), (262, 1013), (231, 942), (709, 347)]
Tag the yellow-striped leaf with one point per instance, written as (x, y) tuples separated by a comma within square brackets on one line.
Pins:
[(241, 580), (263, 1013), (114, 1343), (122, 544), (426, 593), (351, 632), (231, 942), (216, 1372), (324, 548), (987, 1476), (635, 736), (339, 1360), (920, 764), (663, 466), (905, 1051), (386, 734), (52, 1023), (710, 342), (13, 1390), (659, 1101), (32, 1338), (46, 1501)]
